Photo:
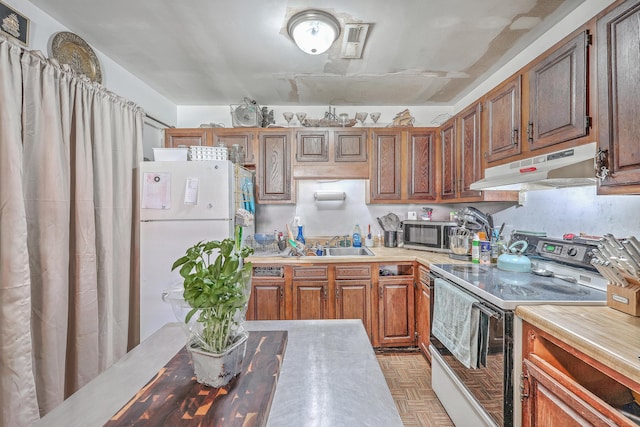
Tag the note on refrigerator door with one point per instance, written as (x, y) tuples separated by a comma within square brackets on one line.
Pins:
[(191, 191), (156, 190)]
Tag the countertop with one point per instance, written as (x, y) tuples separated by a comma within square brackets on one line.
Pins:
[(603, 333), (382, 254), (330, 376)]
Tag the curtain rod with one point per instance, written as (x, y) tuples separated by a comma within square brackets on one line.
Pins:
[(148, 116)]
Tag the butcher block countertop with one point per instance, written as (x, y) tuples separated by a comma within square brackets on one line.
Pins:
[(382, 254), (603, 333)]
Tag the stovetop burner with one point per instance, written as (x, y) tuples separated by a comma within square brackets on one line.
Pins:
[(508, 289)]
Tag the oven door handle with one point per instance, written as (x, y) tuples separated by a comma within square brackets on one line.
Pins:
[(486, 310)]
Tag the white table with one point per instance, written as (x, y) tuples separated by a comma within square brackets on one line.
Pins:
[(329, 377)]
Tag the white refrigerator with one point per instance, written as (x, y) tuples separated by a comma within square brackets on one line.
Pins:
[(182, 203)]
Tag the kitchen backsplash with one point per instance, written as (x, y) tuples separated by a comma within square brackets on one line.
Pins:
[(558, 211)]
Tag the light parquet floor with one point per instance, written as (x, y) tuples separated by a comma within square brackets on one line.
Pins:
[(409, 378)]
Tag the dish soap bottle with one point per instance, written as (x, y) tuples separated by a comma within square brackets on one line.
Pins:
[(357, 237), (300, 236)]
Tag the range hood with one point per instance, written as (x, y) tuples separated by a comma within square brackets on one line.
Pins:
[(573, 167)]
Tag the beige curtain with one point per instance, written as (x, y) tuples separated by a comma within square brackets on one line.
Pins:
[(80, 145)]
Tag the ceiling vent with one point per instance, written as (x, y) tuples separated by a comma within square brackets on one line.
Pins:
[(353, 40)]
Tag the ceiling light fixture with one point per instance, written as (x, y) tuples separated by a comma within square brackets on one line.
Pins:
[(314, 31)]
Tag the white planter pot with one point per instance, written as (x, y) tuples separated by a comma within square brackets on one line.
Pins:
[(218, 369)]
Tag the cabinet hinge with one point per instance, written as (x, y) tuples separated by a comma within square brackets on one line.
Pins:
[(588, 121), (524, 386), (588, 39)]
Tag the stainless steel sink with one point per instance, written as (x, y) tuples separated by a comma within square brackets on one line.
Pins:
[(349, 252)]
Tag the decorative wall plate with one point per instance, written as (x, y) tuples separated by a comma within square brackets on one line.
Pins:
[(69, 48)]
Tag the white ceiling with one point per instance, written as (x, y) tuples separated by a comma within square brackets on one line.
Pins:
[(215, 52)]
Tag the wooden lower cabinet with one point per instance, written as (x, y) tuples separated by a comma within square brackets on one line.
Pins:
[(310, 293), (396, 311), (343, 291), (563, 387), (423, 311), (353, 293), (268, 292), (267, 299)]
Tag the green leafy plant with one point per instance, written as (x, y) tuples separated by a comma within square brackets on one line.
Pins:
[(216, 290)]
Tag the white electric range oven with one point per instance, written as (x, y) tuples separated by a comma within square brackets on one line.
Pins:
[(487, 393)]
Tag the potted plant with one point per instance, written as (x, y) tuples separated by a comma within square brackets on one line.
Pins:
[(215, 293)]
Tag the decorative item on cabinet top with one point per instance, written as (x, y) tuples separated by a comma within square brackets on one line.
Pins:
[(68, 48), (248, 114), (402, 119)]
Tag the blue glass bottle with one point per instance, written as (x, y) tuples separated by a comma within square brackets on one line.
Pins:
[(300, 236)]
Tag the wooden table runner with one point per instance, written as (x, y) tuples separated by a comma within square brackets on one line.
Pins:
[(174, 398)]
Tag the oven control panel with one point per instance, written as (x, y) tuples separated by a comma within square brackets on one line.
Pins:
[(565, 251)]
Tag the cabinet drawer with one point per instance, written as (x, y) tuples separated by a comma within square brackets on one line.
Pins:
[(320, 272), (353, 272)]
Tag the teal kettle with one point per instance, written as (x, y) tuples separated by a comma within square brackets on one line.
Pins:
[(515, 260)]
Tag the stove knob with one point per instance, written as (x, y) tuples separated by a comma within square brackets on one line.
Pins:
[(572, 252)]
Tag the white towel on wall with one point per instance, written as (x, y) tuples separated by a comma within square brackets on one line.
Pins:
[(456, 322)]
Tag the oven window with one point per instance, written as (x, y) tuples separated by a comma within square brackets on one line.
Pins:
[(424, 235)]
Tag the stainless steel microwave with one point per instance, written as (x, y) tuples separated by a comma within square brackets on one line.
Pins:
[(427, 235)]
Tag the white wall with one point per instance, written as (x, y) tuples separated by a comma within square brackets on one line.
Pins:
[(115, 78), (574, 210)]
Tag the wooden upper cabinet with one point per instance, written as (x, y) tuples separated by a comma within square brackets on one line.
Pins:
[(421, 176), (176, 137), (558, 95), (448, 178), (274, 167), (244, 138), (503, 117), (350, 146), (325, 153), (618, 47), (470, 160), (312, 146), (386, 164)]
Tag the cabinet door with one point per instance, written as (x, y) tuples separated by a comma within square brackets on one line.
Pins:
[(396, 311), (267, 300), (558, 95), (421, 185), (385, 173), (353, 301), (448, 161), (274, 168), (547, 402), (310, 299), (470, 166), (423, 311), (312, 146), (243, 138), (503, 121), (175, 137), (350, 146), (618, 38)]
